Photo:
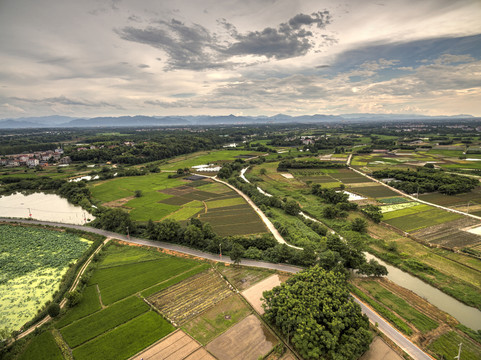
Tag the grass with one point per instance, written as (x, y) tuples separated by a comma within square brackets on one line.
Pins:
[(213, 322), (387, 314), (148, 205), (401, 307), (175, 280), (89, 304), (187, 211), (115, 255), (225, 203), (102, 321), (423, 219), (446, 347), (118, 282), (42, 346), (133, 337), (411, 208)]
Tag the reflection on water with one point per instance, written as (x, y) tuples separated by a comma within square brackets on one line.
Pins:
[(46, 207), (466, 315)]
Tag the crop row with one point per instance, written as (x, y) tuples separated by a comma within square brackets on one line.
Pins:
[(191, 297)]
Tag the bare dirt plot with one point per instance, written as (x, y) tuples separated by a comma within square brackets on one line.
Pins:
[(190, 297), (379, 350), (254, 294), (177, 346), (288, 176), (248, 340)]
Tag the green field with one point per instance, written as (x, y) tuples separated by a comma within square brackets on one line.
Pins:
[(42, 346), (224, 203), (213, 322), (413, 209), (133, 336), (401, 307), (446, 347), (89, 304), (116, 283), (422, 219), (102, 321), (33, 262)]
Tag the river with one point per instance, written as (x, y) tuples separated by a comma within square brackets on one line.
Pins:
[(46, 207), (466, 315)]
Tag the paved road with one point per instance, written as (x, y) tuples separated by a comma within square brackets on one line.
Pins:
[(383, 325), (393, 334)]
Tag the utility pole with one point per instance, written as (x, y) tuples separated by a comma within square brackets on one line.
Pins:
[(459, 352), (220, 251), (29, 213), (128, 235)]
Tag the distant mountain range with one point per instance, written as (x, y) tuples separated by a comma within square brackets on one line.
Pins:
[(57, 121)]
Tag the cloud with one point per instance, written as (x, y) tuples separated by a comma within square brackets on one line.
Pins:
[(63, 100), (194, 47)]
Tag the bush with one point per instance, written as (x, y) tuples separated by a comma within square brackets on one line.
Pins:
[(53, 309)]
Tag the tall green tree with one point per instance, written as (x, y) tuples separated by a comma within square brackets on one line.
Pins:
[(314, 310)]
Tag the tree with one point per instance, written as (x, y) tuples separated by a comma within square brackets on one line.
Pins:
[(74, 298), (292, 207), (315, 311), (138, 193), (53, 309), (193, 236), (263, 171), (236, 253), (359, 225)]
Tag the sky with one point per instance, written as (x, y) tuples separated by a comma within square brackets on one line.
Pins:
[(244, 57)]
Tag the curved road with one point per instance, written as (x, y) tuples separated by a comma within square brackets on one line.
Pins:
[(383, 325)]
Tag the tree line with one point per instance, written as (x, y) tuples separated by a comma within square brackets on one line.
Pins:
[(426, 180)]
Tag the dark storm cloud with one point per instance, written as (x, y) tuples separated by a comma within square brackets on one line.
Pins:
[(194, 47)]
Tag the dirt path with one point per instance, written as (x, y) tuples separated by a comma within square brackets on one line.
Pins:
[(263, 217), (414, 198)]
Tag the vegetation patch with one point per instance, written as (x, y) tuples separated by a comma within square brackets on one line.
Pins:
[(447, 345), (190, 297), (42, 346), (394, 207), (401, 307), (33, 261), (423, 219), (102, 321), (404, 210), (133, 336), (224, 203), (217, 319), (88, 304), (116, 283)]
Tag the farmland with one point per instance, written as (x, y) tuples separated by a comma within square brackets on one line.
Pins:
[(180, 200), (181, 302), (446, 347), (94, 331), (33, 263), (400, 306)]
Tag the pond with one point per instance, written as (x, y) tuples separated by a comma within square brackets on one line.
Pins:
[(466, 315), (46, 207)]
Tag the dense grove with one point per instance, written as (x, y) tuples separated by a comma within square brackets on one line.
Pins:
[(427, 180), (284, 165), (309, 309)]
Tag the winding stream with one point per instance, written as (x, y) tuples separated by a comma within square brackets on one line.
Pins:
[(466, 315)]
